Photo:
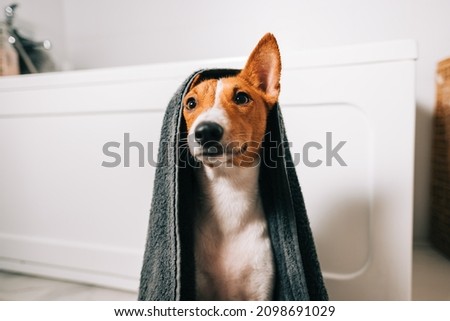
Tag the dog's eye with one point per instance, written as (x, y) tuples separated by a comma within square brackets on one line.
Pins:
[(241, 98), (191, 103)]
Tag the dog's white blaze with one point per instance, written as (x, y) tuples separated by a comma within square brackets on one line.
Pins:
[(215, 114), (219, 89)]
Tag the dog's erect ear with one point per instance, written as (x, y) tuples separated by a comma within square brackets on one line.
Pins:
[(263, 68)]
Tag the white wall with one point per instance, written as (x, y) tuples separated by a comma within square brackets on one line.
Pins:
[(104, 33)]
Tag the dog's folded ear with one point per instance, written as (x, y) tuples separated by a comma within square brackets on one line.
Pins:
[(195, 81), (263, 68)]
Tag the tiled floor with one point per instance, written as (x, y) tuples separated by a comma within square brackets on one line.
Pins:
[(17, 287), (431, 275), (431, 281)]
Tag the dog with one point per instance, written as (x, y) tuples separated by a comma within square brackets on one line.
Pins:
[(226, 122)]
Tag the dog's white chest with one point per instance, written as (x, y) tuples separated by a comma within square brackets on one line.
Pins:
[(232, 246)]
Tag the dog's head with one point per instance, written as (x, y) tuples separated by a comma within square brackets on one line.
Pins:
[(226, 118)]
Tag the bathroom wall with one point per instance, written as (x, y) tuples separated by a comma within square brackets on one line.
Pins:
[(105, 33)]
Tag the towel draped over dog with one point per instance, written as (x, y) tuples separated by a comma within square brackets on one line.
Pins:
[(168, 271)]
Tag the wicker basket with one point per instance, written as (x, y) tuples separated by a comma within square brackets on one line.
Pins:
[(440, 198)]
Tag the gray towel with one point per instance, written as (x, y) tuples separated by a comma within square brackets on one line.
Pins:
[(168, 271)]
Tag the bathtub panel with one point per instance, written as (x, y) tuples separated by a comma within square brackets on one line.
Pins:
[(65, 215), (378, 123), (64, 208), (342, 210)]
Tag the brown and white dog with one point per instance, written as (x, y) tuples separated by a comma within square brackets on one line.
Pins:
[(226, 122)]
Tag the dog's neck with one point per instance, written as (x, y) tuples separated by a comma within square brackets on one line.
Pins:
[(230, 195)]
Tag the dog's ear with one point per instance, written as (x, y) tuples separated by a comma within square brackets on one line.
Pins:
[(263, 68), (194, 82)]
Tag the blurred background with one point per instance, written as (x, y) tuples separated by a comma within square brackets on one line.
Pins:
[(86, 34)]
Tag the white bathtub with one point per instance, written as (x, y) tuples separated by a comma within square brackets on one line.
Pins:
[(64, 215)]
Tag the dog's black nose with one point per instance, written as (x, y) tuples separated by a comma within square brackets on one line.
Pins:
[(208, 132)]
